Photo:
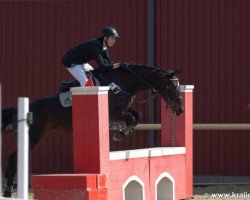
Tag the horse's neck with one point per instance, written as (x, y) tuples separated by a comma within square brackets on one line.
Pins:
[(148, 78), (118, 77), (133, 80)]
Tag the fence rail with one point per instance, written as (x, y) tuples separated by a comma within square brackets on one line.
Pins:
[(199, 127)]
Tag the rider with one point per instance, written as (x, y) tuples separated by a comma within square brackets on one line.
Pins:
[(77, 58)]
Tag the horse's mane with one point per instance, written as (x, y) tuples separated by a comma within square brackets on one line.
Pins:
[(148, 68), (143, 67)]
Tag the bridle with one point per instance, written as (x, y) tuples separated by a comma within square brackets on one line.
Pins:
[(172, 116), (170, 101)]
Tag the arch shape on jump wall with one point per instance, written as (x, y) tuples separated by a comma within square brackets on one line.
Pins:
[(133, 188), (164, 187)]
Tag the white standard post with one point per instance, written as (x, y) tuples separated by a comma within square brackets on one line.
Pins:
[(1, 140), (22, 148)]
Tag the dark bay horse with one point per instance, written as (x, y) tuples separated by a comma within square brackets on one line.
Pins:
[(49, 115)]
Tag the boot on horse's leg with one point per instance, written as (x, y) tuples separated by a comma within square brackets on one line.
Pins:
[(131, 123), (128, 131), (137, 117), (7, 191)]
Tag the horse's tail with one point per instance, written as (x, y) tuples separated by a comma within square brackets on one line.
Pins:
[(9, 119)]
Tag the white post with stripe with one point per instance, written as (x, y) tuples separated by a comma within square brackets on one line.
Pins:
[(22, 148), (1, 173)]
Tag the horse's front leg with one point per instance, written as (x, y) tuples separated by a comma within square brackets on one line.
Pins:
[(129, 120), (137, 118), (119, 114), (136, 114)]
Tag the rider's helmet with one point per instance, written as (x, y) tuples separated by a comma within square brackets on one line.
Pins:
[(109, 31)]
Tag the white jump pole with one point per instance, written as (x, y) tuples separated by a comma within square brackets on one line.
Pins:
[(22, 148), (230, 127)]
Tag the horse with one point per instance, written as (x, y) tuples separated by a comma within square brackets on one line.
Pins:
[(50, 115)]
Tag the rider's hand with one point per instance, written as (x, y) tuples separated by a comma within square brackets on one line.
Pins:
[(116, 65)]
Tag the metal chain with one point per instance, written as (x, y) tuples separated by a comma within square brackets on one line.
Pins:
[(172, 118)]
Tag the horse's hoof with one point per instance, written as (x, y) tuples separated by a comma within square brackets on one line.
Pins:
[(7, 194), (118, 136)]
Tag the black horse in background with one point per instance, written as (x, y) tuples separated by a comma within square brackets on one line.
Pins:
[(49, 115)]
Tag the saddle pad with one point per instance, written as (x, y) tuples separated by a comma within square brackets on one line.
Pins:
[(65, 99)]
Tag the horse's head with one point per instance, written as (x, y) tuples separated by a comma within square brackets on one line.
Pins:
[(141, 77), (171, 92)]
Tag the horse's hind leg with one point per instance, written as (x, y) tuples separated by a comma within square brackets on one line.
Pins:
[(35, 136), (10, 174)]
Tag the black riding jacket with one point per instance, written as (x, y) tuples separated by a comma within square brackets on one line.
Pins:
[(86, 51)]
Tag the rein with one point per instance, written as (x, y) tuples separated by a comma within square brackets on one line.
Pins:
[(155, 91), (148, 84), (141, 79), (133, 96)]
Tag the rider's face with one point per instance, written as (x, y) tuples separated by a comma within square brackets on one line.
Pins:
[(110, 41)]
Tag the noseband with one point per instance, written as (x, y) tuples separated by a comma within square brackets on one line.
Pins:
[(170, 100)]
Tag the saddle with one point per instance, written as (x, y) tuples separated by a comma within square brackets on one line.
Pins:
[(66, 85), (65, 94)]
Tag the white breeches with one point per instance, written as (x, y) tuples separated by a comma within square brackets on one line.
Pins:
[(78, 71)]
